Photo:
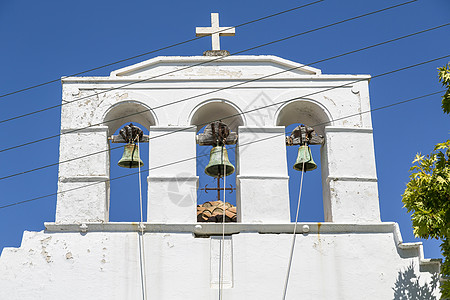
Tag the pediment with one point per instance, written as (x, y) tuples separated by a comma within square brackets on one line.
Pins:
[(210, 68)]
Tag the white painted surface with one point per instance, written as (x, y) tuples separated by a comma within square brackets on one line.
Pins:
[(336, 263), (172, 103), (83, 256), (218, 275)]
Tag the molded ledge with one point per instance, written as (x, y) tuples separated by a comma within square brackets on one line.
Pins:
[(348, 129), (188, 128), (213, 229), (99, 178), (256, 129), (85, 129), (262, 177), (348, 178), (172, 178)]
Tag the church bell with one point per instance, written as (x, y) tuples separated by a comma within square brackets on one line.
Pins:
[(130, 157), (218, 161), (304, 156)]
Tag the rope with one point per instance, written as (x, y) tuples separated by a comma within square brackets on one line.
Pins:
[(140, 181), (286, 281), (141, 235), (222, 246)]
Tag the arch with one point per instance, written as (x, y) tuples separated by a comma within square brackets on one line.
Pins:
[(129, 111), (217, 109), (314, 114), (306, 111)]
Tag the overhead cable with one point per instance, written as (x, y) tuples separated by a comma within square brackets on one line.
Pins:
[(234, 115), (204, 155), (225, 88), (156, 50), (204, 62)]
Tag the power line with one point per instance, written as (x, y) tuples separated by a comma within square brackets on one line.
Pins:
[(258, 108), (156, 50), (205, 62), (204, 155), (228, 87)]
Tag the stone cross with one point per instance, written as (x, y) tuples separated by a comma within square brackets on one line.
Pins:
[(215, 31)]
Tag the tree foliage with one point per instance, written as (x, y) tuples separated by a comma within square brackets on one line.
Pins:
[(444, 77), (427, 194)]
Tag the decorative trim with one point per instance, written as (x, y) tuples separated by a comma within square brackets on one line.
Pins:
[(271, 129), (189, 128), (348, 129), (263, 177), (361, 179), (83, 130), (203, 229), (211, 83), (215, 229), (172, 178), (84, 179), (248, 59)]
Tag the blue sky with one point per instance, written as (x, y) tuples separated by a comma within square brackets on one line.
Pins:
[(44, 40)]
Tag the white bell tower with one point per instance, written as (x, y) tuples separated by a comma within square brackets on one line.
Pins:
[(352, 255), (330, 103)]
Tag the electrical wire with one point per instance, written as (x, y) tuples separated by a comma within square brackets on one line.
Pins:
[(238, 114), (228, 87), (205, 62), (204, 155), (154, 51)]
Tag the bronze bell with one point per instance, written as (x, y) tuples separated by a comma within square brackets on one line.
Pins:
[(130, 157), (218, 160), (304, 156)]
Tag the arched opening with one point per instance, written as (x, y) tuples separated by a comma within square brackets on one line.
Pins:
[(215, 110), (124, 196), (202, 116), (312, 114), (311, 204), (126, 112)]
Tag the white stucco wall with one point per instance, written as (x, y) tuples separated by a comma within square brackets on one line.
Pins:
[(174, 102), (353, 255), (331, 261)]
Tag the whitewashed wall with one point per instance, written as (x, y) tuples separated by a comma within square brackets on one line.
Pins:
[(353, 255), (330, 262), (296, 94)]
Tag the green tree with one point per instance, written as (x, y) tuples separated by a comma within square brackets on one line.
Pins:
[(444, 77), (427, 194)]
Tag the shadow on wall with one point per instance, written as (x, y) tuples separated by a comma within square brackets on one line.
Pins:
[(408, 287)]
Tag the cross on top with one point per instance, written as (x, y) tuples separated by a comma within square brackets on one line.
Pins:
[(215, 31)]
